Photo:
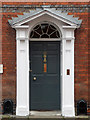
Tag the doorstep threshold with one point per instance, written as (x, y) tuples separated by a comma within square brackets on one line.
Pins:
[(32, 117), (45, 113)]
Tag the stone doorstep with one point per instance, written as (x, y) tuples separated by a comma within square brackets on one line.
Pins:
[(14, 117)]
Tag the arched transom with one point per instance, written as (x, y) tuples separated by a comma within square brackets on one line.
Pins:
[(45, 30)]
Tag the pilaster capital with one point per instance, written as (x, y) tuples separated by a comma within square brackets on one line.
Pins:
[(68, 38), (21, 27), (22, 38)]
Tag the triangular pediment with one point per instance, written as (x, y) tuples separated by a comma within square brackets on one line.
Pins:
[(58, 14)]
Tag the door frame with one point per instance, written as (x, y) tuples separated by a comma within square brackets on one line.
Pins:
[(67, 63), (47, 40)]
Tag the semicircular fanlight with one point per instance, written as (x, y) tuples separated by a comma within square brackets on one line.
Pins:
[(44, 30)]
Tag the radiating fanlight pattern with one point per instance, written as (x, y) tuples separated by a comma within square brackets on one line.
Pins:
[(44, 30)]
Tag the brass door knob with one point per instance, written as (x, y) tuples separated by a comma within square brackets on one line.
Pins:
[(34, 78)]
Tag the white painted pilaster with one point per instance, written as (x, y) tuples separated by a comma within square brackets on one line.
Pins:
[(22, 105), (68, 66)]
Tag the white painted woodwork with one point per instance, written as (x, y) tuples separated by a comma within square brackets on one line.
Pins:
[(22, 108), (68, 80)]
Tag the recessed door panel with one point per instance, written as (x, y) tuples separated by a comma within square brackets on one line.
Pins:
[(52, 64), (37, 66)]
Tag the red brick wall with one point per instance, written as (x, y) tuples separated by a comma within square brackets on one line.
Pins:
[(81, 53), (81, 59), (8, 59), (89, 57), (0, 57)]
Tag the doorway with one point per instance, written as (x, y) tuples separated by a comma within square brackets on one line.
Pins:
[(44, 76)]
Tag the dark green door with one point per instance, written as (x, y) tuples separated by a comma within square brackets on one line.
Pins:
[(45, 76)]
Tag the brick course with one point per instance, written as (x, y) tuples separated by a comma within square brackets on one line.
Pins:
[(82, 50)]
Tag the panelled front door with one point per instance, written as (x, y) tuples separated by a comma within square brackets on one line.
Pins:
[(44, 76)]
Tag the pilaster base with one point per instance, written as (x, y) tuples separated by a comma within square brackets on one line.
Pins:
[(68, 111), (22, 111)]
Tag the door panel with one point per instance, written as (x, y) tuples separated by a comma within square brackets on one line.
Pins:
[(45, 88), (37, 60), (52, 64)]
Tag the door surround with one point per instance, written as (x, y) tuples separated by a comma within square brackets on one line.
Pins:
[(67, 49), (23, 27)]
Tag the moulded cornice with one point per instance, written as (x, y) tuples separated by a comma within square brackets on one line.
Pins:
[(21, 27), (69, 27)]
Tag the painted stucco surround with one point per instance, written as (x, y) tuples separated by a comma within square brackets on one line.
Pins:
[(67, 62)]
